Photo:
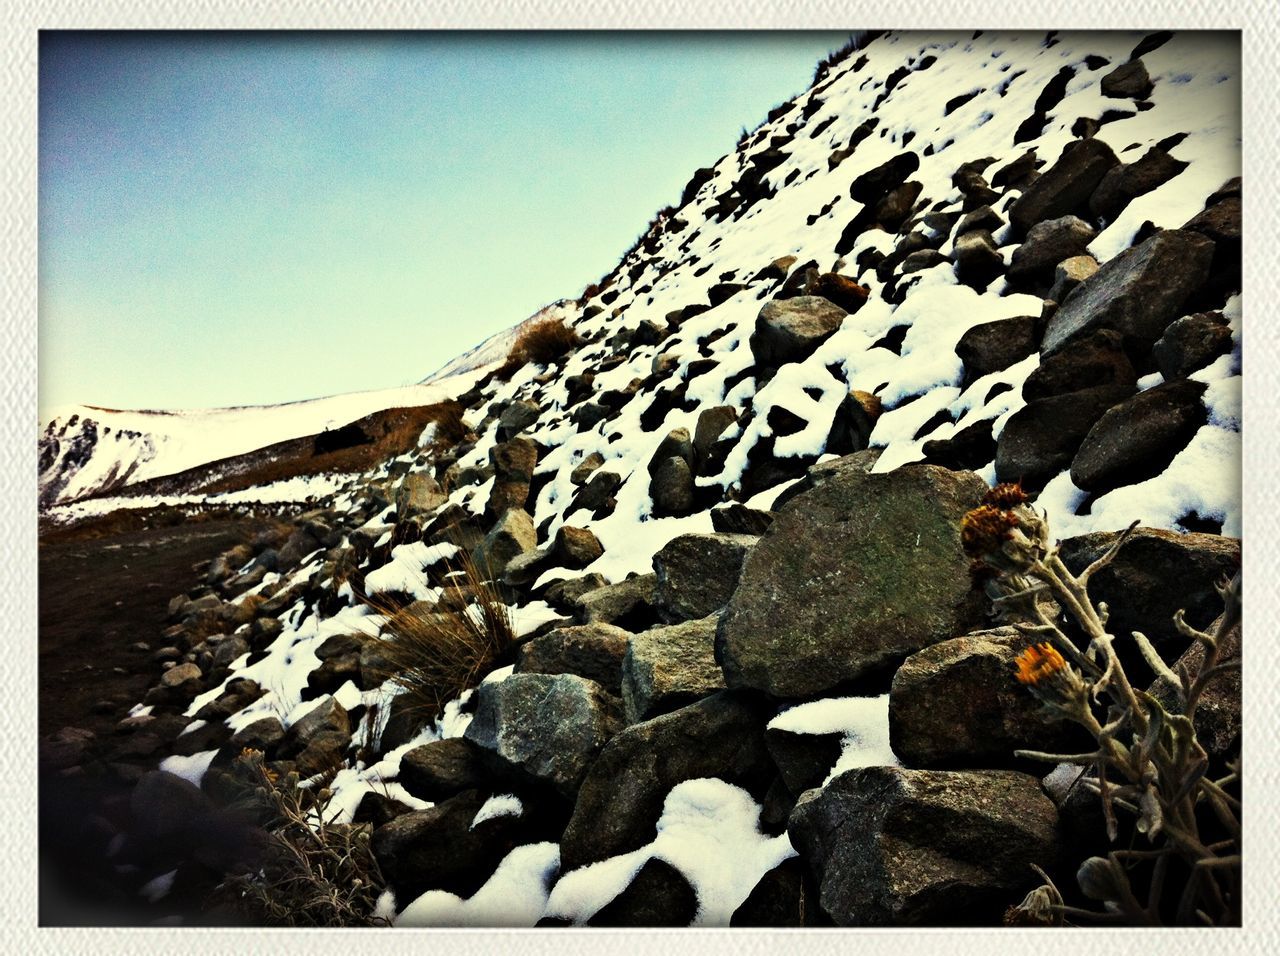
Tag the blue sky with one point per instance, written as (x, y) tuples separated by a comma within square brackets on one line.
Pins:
[(232, 219)]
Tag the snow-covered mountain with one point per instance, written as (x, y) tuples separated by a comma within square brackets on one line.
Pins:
[(1004, 257)]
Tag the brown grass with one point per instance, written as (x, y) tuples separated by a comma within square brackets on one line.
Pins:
[(436, 655), (541, 343)]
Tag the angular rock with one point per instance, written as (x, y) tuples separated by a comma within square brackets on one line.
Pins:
[(994, 346), (593, 651), (583, 471), (1129, 81), (1221, 223), (658, 895), (1138, 438), (418, 494), (983, 218), (628, 604), (697, 573), (956, 704), (781, 898), (184, 680), (889, 175), (1047, 244), (1097, 360), (852, 576), (672, 487), (708, 451), (1041, 440), (666, 668), (622, 796), (1065, 187), (551, 727), (512, 535), (931, 848), (263, 734), (597, 494), (1138, 293), (739, 519), (840, 290), (789, 330), (977, 259), (803, 760), (1128, 181), (319, 740), (575, 547), (1068, 274), (516, 417), (1191, 343), (443, 768), (853, 423), (922, 259), (513, 463)]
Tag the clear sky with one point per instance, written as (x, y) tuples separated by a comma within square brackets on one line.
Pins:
[(231, 219)]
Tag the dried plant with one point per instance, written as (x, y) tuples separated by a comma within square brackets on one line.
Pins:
[(314, 872), (1148, 762), (540, 343), (435, 652)]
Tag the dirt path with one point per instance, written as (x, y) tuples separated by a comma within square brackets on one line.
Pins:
[(101, 600)]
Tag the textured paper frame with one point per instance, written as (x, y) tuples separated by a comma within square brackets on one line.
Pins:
[(21, 22)]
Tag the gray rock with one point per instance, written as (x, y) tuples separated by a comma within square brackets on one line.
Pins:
[(697, 573), (1138, 438), (512, 535), (994, 346), (318, 741), (575, 547), (1138, 293), (619, 603), (1041, 439), (672, 487), (1047, 244), (593, 651), (852, 576), (789, 330), (803, 760), (984, 218), (622, 795), (922, 259), (956, 704), (977, 259), (516, 417), (712, 422), (583, 471), (263, 734), (1096, 360), (666, 668), (930, 847), (1191, 343), (549, 726), (1128, 181), (418, 494), (513, 463), (597, 494), (1129, 81), (1064, 189), (443, 768), (737, 518)]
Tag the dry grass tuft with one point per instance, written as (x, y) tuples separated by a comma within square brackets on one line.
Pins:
[(541, 343), (435, 654)]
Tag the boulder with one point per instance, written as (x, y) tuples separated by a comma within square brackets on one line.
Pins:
[(712, 422), (872, 185), (628, 604), (442, 769), (1220, 222), (1047, 244), (852, 424), (512, 535), (516, 417), (1155, 574), (922, 259), (1065, 187), (593, 651), (697, 573), (183, 681), (658, 895), (735, 518), (1129, 81), (839, 290), (1138, 293), (1094, 361), (789, 330), (672, 488), (1191, 343), (1068, 274), (1128, 181), (319, 740), (994, 346), (977, 259), (1138, 438), (583, 471), (418, 494), (931, 848), (851, 577), (513, 463), (621, 798), (551, 727), (1041, 439), (781, 898), (666, 668), (597, 494), (983, 218), (803, 760), (575, 547), (263, 734), (956, 704), (676, 444)]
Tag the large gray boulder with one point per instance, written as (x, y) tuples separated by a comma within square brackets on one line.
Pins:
[(628, 604), (622, 795), (697, 573), (851, 577), (513, 534), (1138, 293), (929, 848), (1065, 187), (956, 704), (789, 330), (548, 726), (1047, 244), (443, 768), (668, 667), (418, 493), (1191, 343)]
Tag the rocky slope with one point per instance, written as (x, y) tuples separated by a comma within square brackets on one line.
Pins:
[(727, 524)]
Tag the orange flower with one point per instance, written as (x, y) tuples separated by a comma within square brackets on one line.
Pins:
[(1038, 662), (985, 529), (1005, 496)]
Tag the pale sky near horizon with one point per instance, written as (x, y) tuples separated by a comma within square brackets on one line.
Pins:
[(231, 219)]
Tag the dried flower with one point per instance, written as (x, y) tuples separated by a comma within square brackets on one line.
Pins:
[(985, 529), (1005, 496)]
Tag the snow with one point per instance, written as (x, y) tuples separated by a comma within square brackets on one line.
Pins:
[(404, 572), (499, 805), (862, 721), (709, 831), (156, 889), (189, 768), (516, 894)]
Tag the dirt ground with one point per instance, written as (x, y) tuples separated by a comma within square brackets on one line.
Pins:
[(101, 599)]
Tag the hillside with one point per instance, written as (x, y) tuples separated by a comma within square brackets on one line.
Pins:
[(688, 590)]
